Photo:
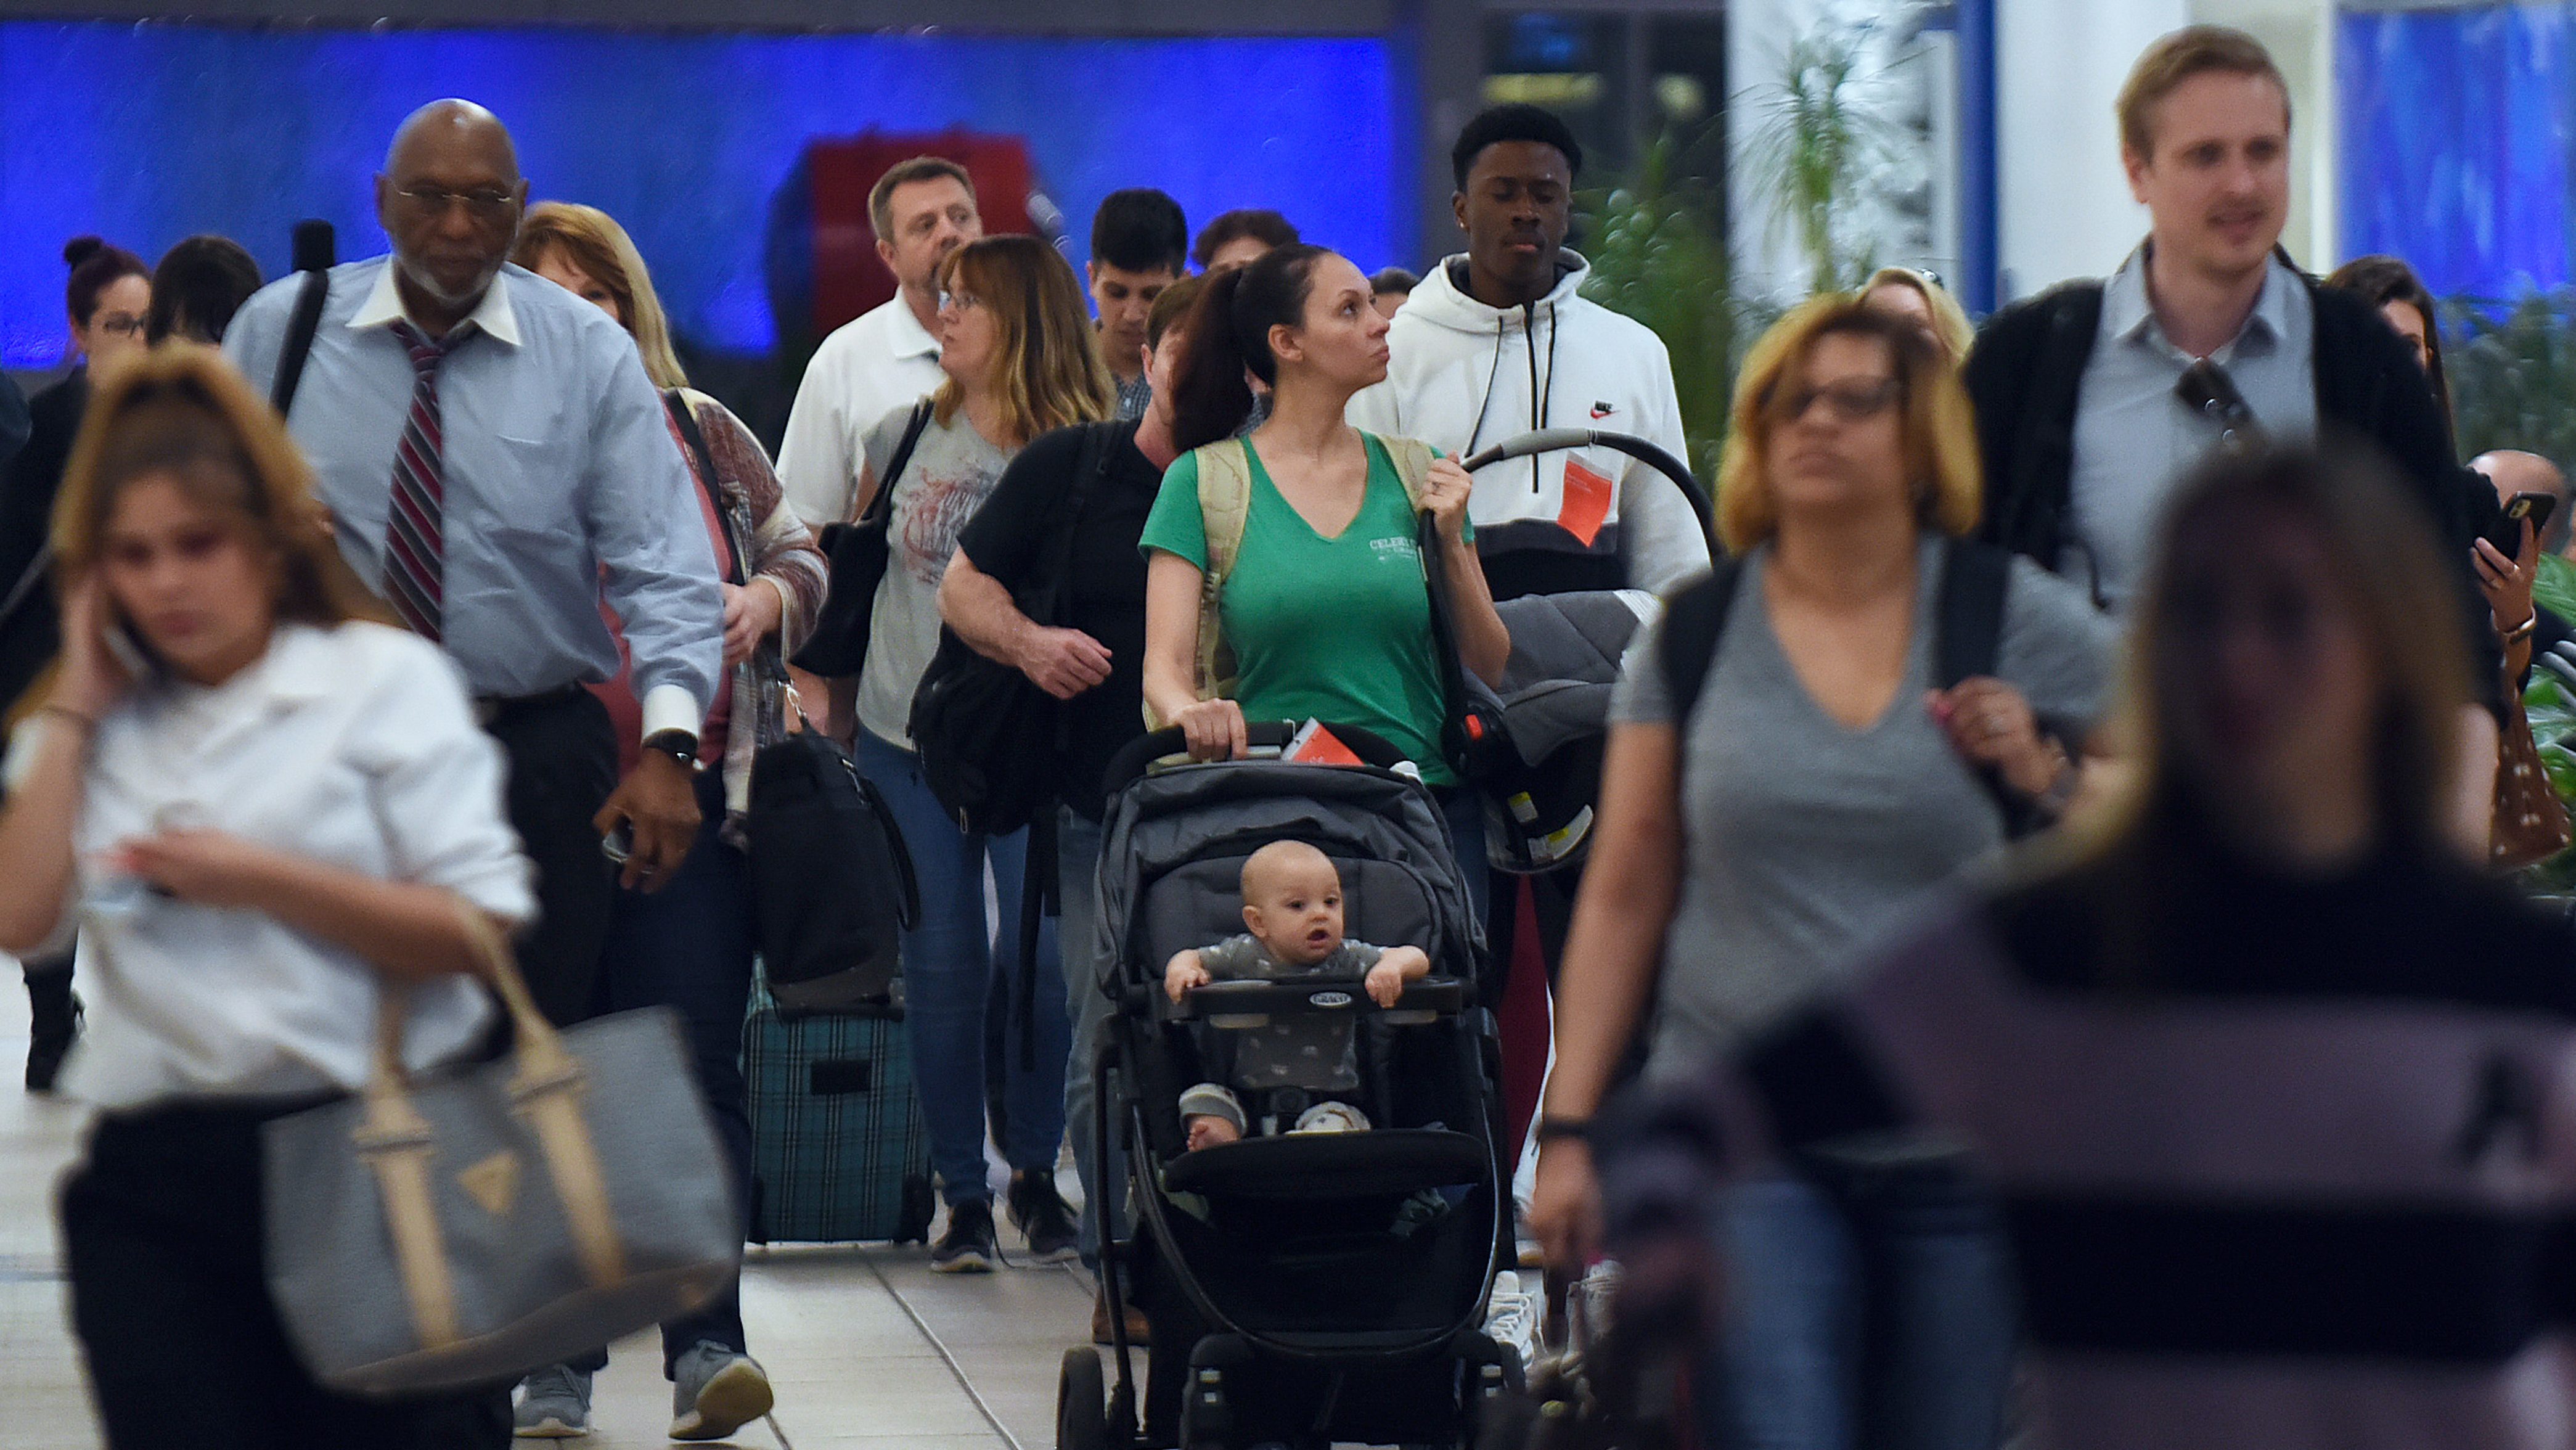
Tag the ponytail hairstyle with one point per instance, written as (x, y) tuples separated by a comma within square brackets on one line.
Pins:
[(1228, 334)]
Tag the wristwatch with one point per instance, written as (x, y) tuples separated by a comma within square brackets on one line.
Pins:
[(680, 745)]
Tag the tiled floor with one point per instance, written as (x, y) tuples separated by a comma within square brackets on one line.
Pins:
[(869, 1349)]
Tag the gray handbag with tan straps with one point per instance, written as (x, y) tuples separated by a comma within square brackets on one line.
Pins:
[(493, 1218)]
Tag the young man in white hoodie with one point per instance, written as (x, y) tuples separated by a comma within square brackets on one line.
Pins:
[(1497, 341)]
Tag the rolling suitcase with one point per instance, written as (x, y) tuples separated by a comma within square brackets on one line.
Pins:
[(839, 1152)]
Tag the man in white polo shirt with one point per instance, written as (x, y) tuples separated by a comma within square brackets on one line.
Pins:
[(922, 210)]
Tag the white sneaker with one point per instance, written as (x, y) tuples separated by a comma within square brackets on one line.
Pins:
[(1511, 1317)]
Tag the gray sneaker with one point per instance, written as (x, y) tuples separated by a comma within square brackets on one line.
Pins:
[(715, 1391), (554, 1404)]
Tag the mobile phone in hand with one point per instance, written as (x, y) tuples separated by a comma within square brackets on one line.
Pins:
[(2522, 509)]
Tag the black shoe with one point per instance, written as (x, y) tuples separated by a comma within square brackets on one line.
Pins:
[(1038, 1211), (967, 1247), (55, 1027)]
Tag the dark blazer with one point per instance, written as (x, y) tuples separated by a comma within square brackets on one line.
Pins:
[(2026, 376), (31, 633)]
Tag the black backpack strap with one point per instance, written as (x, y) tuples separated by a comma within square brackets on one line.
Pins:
[(1090, 465), (1969, 634), (1694, 622), (686, 419), (299, 340), (883, 503), (1967, 641)]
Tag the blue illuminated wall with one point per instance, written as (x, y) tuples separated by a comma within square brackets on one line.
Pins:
[(147, 133), (2457, 140)]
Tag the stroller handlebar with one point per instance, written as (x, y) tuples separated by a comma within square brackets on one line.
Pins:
[(1253, 1003), (1549, 440), (1267, 739)]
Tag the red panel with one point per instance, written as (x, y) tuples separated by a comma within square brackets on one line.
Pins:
[(848, 278)]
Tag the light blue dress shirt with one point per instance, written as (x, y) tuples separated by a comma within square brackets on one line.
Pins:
[(2135, 440), (558, 461)]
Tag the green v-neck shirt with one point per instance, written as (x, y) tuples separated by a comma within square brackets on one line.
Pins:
[(1335, 629)]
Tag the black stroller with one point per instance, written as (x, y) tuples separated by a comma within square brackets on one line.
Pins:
[(1300, 1289)]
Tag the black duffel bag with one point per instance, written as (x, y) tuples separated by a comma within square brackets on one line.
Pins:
[(857, 552), (989, 739), (832, 889)]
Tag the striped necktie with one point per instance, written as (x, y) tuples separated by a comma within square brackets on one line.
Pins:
[(415, 549)]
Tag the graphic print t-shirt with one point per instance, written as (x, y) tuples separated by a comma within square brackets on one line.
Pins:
[(951, 472), (1320, 1054)]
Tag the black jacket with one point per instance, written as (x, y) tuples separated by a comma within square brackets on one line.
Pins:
[(2026, 375), (31, 633)]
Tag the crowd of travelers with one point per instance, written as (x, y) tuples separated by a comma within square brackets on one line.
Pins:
[(2040, 964)]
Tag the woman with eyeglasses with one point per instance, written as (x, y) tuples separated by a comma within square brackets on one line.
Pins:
[(1016, 343), (107, 300), (1758, 828)]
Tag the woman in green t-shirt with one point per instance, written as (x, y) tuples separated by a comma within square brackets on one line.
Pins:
[(1325, 608)]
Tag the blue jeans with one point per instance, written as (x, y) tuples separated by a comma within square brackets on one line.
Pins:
[(947, 972), (1077, 858), (689, 947), (1878, 1314)]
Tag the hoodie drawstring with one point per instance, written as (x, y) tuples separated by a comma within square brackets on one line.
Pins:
[(1539, 400), (1492, 373)]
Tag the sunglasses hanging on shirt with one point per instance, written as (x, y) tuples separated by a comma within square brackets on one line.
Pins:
[(2206, 389)]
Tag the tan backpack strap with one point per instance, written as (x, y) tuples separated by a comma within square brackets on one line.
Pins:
[(1225, 504)]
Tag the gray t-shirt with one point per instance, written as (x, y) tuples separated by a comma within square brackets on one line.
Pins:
[(951, 472), (1803, 839), (1319, 1054)]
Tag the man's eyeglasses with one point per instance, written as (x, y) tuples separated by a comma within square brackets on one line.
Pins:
[(120, 324), (2206, 389), (1846, 402), (483, 206)]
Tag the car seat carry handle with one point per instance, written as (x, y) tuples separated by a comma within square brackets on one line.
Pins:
[(1549, 440), (1253, 1002), (1266, 739)]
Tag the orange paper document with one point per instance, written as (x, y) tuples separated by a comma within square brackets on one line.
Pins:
[(1587, 502), (1315, 745)]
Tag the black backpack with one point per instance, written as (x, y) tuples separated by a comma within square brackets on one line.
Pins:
[(988, 738), (1967, 636)]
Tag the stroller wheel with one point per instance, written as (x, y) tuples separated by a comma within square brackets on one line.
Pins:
[(1081, 1413)]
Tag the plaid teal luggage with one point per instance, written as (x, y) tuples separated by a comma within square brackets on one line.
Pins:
[(838, 1148)]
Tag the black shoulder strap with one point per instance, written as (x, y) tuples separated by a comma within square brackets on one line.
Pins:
[(686, 418), (1694, 621), (299, 340), (883, 503), (1090, 462), (1969, 634), (1968, 639)]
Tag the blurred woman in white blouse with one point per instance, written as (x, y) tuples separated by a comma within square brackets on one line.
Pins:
[(260, 810)]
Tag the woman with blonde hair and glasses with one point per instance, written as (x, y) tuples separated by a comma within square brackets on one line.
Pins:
[(1016, 343), (2274, 1083), (264, 812), (689, 945), (1779, 788)]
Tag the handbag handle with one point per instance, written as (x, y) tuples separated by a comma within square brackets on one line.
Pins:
[(398, 1143)]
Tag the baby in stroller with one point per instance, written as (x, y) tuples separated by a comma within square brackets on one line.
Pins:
[(1292, 910)]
